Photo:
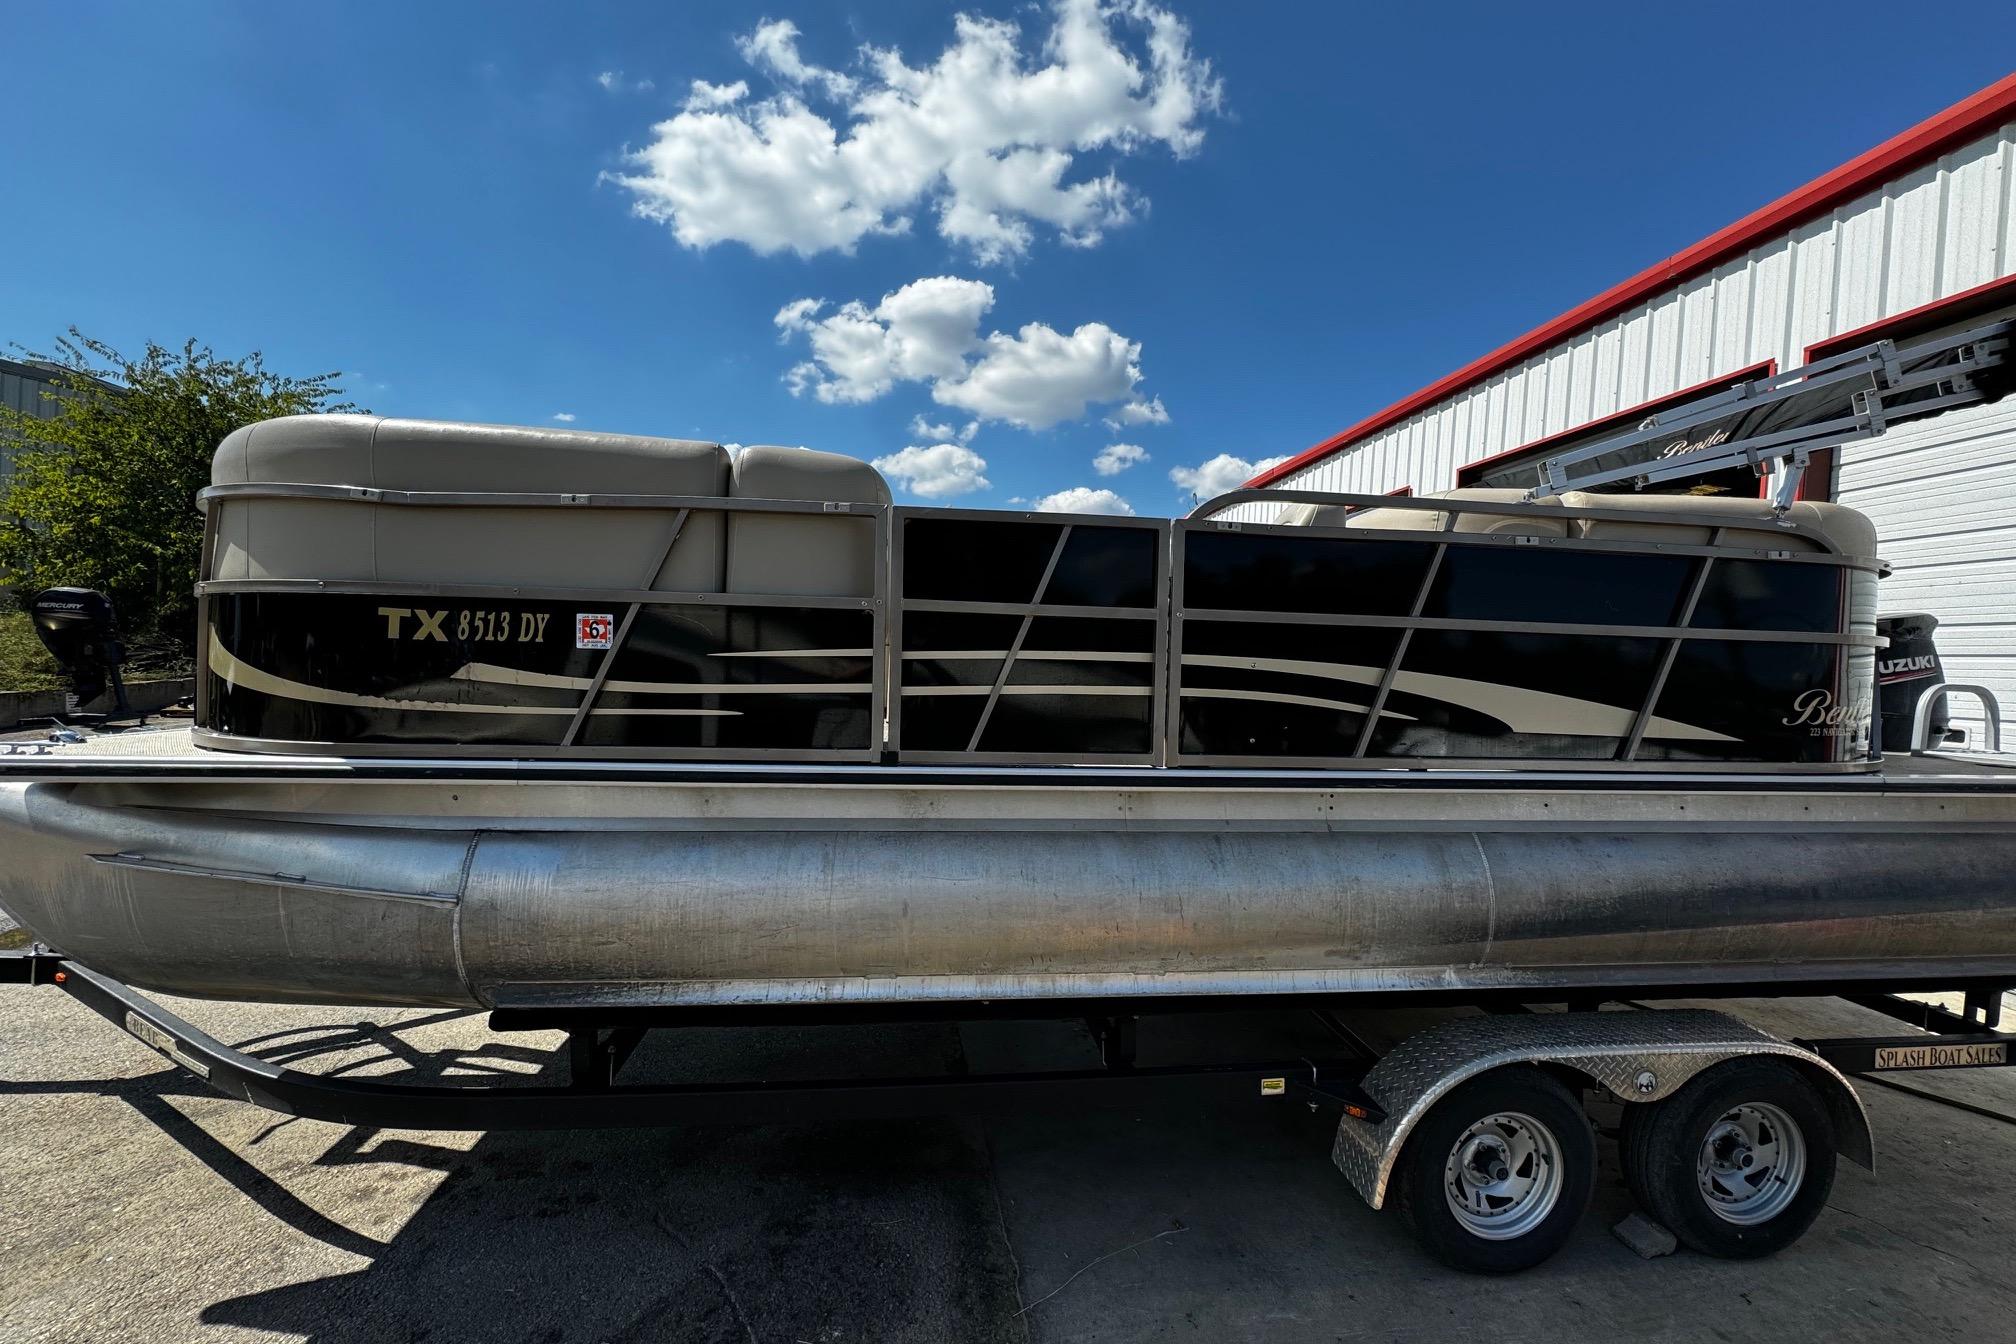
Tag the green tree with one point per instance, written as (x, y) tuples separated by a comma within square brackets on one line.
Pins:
[(103, 494)]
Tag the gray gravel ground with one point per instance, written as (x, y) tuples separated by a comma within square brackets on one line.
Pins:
[(136, 1205)]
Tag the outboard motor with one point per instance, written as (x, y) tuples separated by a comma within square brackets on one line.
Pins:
[(1904, 672), (81, 632)]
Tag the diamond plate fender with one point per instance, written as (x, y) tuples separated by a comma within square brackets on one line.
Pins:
[(1639, 1056)]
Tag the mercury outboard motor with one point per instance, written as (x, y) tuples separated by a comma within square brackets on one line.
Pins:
[(1904, 672), (81, 632)]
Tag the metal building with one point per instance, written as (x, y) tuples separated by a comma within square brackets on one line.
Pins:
[(1917, 235), (32, 389), (22, 388)]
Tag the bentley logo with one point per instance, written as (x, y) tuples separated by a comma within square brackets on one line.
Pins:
[(1815, 709), (1682, 445)]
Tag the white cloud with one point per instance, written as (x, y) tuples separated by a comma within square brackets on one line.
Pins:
[(1084, 499), (773, 47), (1207, 480), (564, 417), (938, 471), (943, 430), (985, 136), (1139, 413), (612, 81), (1040, 377), (1115, 458), (705, 95), (917, 333), (929, 331)]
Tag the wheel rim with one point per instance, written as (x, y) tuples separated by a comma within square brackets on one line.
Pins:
[(1751, 1164), (1503, 1176)]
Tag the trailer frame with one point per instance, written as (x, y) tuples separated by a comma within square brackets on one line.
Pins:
[(593, 1098), (1382, 1102), (599, 1043)]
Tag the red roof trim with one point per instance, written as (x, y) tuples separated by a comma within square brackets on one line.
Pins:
[(1927, 140)]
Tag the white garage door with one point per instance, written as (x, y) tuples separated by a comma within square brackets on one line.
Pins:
[(1943, 497)]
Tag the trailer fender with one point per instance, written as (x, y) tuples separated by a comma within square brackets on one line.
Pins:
[(1639, 1056)]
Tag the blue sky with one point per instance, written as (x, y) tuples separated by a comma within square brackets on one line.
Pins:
[(979, 249)]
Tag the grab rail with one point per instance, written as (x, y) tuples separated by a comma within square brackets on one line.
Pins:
[(1921, 718)]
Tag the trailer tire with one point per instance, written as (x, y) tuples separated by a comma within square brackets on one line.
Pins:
[(1496, 1177), (1738, 1163)]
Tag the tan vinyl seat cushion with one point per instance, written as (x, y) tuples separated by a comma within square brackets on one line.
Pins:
[(808, 554), (1383, 518), (564, 546), (1519, 524), (1746, 523), (1313, 515)]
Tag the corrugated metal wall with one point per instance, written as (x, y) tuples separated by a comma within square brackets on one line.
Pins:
[(1938, 231), (21, 389), (1941, 494)]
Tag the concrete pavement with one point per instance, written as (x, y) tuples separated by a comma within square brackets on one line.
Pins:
[(135, 1204)]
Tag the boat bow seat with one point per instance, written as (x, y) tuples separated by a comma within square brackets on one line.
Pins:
[(548, 546), (828, 554)]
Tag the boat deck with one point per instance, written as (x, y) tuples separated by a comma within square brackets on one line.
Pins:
[(1950, 765), (166, 753)]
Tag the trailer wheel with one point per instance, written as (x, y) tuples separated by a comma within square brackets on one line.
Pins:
[(1496, 1176), (1738, 1163)]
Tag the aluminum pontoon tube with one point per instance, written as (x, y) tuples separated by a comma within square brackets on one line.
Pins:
[(584, 895)]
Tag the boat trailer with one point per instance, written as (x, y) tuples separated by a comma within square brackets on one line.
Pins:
[(592, 1098), (1512, 1187)]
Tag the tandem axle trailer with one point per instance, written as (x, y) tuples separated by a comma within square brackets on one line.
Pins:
[(1475, 1130)]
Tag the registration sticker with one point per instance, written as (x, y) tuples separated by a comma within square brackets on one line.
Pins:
[(1941, 1056), (594, 629)]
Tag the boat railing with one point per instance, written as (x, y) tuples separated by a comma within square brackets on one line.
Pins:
[(1356, 509), (985, 637), (1464, 602), (828, 707), (1028, 638)]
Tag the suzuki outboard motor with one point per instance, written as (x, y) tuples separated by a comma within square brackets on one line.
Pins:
[(81, 632), (1904, 672)]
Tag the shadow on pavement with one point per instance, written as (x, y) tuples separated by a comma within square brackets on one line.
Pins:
[(801, 1231), (843, 1232), (150, 1095)]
